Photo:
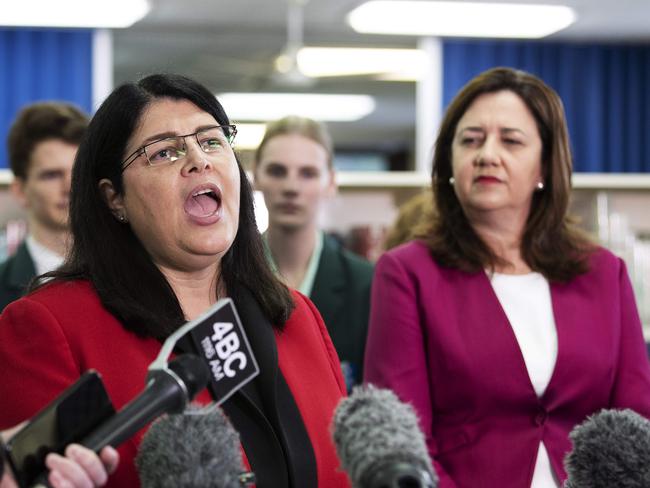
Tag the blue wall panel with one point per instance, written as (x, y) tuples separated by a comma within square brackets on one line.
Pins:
[(42, 64), (605, 90)]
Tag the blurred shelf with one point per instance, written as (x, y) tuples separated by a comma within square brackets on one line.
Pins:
[(611, 181), (382, 179), (412, 179)]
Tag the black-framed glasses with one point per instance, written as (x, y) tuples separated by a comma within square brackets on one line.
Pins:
[(169, 149)]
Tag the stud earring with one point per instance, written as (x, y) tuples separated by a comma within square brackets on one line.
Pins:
[(540, 186), (122, 218), (452, 180)]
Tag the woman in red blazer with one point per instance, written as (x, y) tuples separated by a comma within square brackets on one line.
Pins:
[(503, 326), (163, 226)]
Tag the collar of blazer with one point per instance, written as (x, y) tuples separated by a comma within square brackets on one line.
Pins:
[(20, 268)]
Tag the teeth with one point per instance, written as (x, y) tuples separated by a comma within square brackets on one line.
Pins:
[(202, 192)]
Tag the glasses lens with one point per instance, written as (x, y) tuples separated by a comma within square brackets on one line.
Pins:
[(231, 132), (215, 138), (165, 151)]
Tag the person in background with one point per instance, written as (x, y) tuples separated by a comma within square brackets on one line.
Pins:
[(504, 325), (163, 226), (416, 212), (293, 169), (79, 468), (42, 145)]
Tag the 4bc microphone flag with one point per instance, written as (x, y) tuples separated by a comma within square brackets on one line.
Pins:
[(217, 337), (221, 341)]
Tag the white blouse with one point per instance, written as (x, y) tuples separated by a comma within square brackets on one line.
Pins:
[(526, 301), (45, 259)]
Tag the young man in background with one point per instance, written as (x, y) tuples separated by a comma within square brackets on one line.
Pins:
[(42, 145), (294, 171)]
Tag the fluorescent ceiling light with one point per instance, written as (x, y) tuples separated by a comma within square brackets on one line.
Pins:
[(73, 13), (272, 106), (403, 64), (249, 136), (465, 19)]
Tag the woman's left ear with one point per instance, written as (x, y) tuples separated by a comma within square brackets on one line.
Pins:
[(113, 199)]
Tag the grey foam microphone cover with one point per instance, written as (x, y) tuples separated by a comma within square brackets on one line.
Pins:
[(372, 431), (610, 449), (195, 449)]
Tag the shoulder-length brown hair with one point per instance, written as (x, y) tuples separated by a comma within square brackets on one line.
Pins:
[(551, 243)]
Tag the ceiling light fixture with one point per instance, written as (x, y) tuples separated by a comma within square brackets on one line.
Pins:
[(249, 135), (74, 13), (464, 19), (403, 64), (272, 106)]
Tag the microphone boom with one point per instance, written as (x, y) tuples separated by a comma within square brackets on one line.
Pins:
[(168, 391)]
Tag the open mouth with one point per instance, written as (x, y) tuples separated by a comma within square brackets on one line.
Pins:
[(203, 202)]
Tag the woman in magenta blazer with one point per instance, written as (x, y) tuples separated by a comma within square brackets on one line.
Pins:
[(163, 225), (503, 325)]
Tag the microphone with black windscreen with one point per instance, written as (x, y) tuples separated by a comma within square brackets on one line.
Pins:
[(379, 442), (198, 448), (220, 358), (168, 390), (610, 449), (219, 338)]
